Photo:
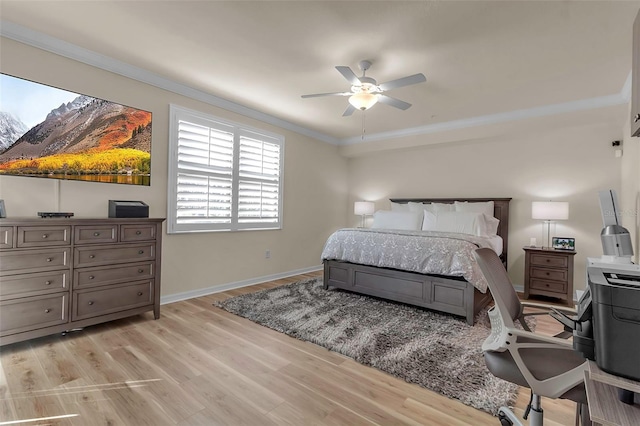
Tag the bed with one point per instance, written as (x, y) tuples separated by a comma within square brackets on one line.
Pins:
[(445, 293)]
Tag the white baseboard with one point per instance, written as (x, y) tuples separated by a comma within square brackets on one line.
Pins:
[(519, 288), (230, 286)]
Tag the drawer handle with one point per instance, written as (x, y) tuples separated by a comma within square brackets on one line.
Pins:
[(49, 259), (45, 236), (636, 118), (46, 311), (96, 234), (139, 293), (91, 277), (548, 273), (140, 271), (138, 232), (92, 256), (548, 260), (90, 302), (140, 251), (47, 283)]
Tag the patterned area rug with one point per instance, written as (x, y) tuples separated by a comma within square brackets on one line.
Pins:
[(437, 351)]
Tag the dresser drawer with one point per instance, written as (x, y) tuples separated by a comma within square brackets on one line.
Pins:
[(106, 255), (96, 234), (30, 313), (137, 232), (105, 275), (89, 303), (549, 260), (549, 274), (42, 236), (12, 286), (35, 260), (549, 286), (6, 237)]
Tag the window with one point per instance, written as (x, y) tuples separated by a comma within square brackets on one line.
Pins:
[(222, 175)]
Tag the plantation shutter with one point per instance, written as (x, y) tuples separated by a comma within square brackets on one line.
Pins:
[(223, 176), (259, 177)]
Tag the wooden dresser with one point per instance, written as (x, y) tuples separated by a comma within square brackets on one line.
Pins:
[(549, 272), (62, 274)]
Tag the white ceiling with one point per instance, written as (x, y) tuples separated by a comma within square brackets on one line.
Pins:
[(483, 60)]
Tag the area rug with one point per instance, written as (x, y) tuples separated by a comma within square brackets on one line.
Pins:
[(437, 351)]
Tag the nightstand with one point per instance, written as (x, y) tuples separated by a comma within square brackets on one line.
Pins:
[(549, 272)]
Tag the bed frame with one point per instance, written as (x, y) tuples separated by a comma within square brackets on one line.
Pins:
[(448, 294)]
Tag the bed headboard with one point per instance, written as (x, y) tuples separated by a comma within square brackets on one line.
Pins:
[(500, 212)]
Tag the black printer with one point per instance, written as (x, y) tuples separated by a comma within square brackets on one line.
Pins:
[(615, 305)]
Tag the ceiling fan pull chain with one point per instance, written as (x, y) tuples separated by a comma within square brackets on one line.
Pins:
[(363, 114)]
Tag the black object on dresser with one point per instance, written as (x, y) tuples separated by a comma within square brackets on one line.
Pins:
[(549, 272), (61, 274)]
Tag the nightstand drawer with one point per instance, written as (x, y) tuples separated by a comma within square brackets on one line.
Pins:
[(554, 261), (549, 274), (551, 286)]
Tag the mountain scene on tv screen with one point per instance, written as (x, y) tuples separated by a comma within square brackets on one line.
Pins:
[(85, 139)]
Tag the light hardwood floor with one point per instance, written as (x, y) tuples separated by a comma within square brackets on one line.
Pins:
[(199, 365)]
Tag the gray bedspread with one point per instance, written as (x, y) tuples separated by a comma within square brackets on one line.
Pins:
[(426, 252)]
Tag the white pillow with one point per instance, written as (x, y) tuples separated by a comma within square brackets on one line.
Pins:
[(438, 207), (397, 207), (483, 207), (491, 224), (460, 222), (384, 219), (486, 207)]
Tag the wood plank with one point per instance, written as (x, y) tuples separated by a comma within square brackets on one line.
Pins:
[(200, 365)]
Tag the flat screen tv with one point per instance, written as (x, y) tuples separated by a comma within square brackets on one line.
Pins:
[(52, 133)]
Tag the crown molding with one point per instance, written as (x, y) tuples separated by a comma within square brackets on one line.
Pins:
[(484, 120), (59, 47)]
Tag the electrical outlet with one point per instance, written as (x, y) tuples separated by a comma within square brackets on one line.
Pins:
[(267, 254)]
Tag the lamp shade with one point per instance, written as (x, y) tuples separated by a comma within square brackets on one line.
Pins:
[(363, 207), (550, 210), (363, 100)]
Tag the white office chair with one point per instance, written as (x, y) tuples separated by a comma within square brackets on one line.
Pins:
[(547, 365)]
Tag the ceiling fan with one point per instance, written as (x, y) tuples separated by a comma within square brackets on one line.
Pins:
[(366, 92)]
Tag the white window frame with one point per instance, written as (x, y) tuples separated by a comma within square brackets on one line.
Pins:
[(177, 114)]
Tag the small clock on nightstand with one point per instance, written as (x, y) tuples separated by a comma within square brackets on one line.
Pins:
[(549, 272)]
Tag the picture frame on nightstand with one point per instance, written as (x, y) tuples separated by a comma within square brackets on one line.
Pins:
[(563, 243)]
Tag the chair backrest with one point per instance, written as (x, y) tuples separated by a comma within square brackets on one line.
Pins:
[(502, 290)]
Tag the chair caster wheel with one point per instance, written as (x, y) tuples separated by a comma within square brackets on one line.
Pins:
[(504, 420)]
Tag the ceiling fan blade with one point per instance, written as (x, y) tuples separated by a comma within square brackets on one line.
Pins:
[(317, 95), (349, 75), (347, 112), (405, 81), (394, 102)]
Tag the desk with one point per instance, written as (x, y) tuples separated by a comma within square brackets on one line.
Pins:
[(604, 406)]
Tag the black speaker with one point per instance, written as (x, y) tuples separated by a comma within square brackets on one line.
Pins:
[(120, 208)]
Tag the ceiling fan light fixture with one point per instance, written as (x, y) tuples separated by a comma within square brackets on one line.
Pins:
[(363, 100)]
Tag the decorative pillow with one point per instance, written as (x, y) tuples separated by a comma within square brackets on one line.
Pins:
[(397, 207), (460, 222), (492, 224), (385, 219)]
